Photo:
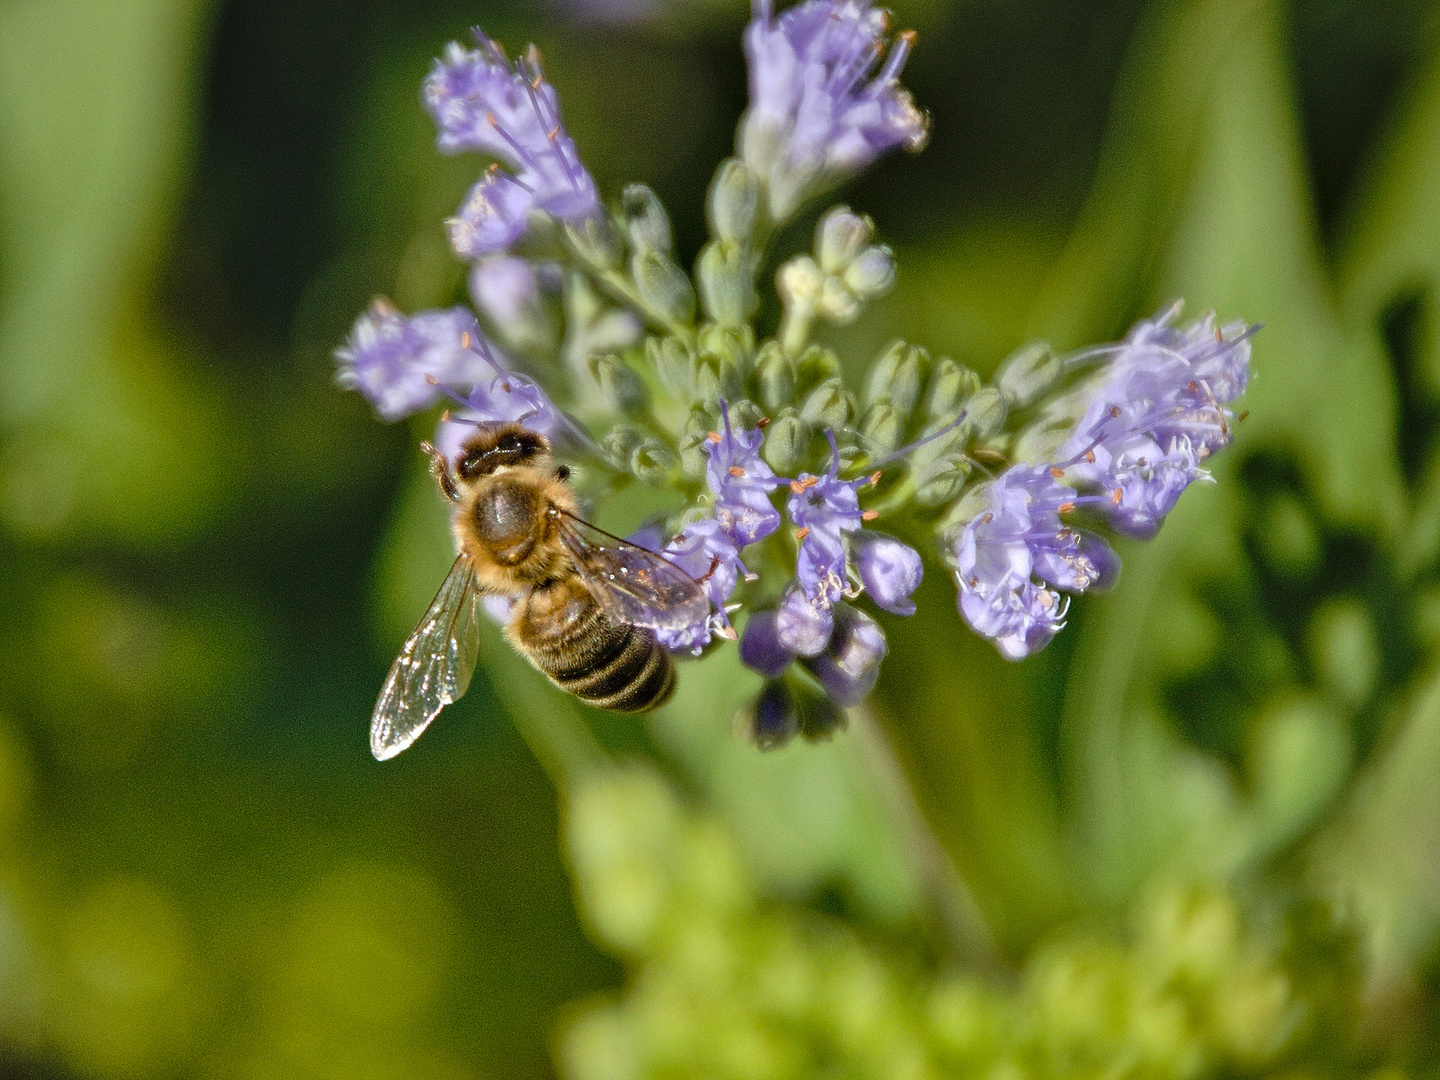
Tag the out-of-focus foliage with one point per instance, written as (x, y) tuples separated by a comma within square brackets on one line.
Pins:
[(1201, 829)]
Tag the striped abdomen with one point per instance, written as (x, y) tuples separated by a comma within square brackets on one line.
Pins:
[(567, 635)]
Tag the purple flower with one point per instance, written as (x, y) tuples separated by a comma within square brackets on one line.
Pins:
[(850, 662), (741, 483), (398, 362), (508, 291), (1018, 538), (823, 509), (803, 624), (889, 570), (480, 102), (498, 394), (704, 550), (1156, 415), (816, 113)]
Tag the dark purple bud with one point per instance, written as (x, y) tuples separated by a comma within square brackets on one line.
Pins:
[(760, 645), (773, 719)]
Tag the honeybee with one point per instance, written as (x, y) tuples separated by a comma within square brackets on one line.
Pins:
[(586, 603)]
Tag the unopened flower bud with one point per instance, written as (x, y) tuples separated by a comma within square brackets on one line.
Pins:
[(621, 389), (836, 303), (897, 375), (694, 442), (986, 412), (620, 442), (815, 365), (850, 662), (828, 405), (773, 719), (775, 374), (726, 275), (672, 362), (939, 481), (663, 286), (799, 281), (889, 569), (1028, 373), (760, 646), (596, 239), (839, 238), (654, 462), (645, 219), (787, 443), (732, 202), (883, 427), (951, 386), (871, 274)]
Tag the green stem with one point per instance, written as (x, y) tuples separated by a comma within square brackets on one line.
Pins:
[(956, 920), (795, 327)]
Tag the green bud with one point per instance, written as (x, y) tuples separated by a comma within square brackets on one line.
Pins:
[(597, 240), (774, 376), (898, 375), (1041, 441), (654, 462), (820, 718), (1028, 373), (620, 442), (621, 388), (951, 386), (671, 360), (883, 427), (986, 412), (840, 236), (815, 365), (744, 413), (733, 199), (787, 443), (726, 275), (828, 405), (645, 219), (698, 425), (663, 286), (941, 480), (734, 344)]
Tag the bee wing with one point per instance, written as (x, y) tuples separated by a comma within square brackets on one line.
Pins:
[(433, 668), (632, 584)]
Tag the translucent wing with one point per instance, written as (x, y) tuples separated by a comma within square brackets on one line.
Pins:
[(632, 585), (433, 668)]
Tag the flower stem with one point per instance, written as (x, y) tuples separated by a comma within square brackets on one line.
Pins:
[(954, 917)]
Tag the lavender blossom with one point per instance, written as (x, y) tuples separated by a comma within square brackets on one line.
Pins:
[(1156, 415), (816, 115), (889, 570), (741, 483), (500, 394), (399, 362), (705, 551), (1018, 538), (508, 291), (480, 102), (803, 624)]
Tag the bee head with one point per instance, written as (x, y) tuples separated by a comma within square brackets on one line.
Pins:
[(494, 446)]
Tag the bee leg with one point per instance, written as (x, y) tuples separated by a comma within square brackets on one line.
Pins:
[(714, 565), (440, 469)]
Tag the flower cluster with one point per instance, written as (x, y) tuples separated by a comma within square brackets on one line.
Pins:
[(657, 376)]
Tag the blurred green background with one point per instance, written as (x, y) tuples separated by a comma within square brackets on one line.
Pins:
[(1202, 829)]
